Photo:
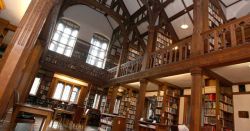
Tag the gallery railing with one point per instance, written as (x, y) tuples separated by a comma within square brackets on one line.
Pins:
[(171, 54), (231, 34)]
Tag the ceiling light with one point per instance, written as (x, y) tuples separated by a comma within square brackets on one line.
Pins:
[(184, 26)]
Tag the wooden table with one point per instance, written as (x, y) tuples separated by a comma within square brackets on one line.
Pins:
[(36, 110), (60, 111)]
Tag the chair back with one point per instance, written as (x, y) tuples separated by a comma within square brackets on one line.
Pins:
[(78, 114)]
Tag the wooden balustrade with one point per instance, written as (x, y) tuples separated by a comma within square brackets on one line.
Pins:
[(232, 34), (57, 61), (131, 67), (173, 53), (112, 72)]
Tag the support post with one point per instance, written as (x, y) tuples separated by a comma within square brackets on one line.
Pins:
[(140, 102), (196, 99), (83, 94), (150, 47), (30, 71), (124, 54), (24, 39), (113, 98), (197, 46)]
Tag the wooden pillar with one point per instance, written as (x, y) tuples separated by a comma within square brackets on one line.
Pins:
[(20, 47), (196, 99), (140, 102), (197, 46), (124, 54), (113, 98), (150, 46), (30, 71), (164, 104), (83, 94)]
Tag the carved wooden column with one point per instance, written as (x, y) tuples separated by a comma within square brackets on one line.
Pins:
[(196, 99), (30, 71), (14, 61), (140, 102), (83, 94), (124, 54), (197, 46)]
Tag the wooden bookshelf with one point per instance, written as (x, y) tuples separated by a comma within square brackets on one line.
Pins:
[(133, 96), (163, 39), (214, 17), (110, 122), (217, 108), (133, 54)]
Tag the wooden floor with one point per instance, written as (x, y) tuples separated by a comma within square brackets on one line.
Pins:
[(4, 126)]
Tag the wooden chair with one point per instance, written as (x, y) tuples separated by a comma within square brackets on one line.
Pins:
[(23, 117)]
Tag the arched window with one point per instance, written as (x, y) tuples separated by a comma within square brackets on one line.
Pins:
[(64, 38), (98, 51)]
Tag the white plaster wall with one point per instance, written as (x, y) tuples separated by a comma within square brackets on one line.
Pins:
[(240, 9), (14, 10), (181, 110), (90, 22), (241, 103)]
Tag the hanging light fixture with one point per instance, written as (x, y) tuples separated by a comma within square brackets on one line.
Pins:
[(184, 25)]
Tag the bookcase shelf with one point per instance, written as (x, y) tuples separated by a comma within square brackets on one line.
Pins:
[(163, 39), (217, 108)]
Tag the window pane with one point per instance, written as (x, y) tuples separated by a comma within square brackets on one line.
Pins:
[(66, 92), (73, 97), (72, 42), (75, 89), (94, 51), (52, 46), (67, 31), (60, 49), (56, 36), (101, 54), (64, 39), (74, 33), (35, 86), (58, 91), (60, 27), (68, 51), (104, 46), (99, 64)]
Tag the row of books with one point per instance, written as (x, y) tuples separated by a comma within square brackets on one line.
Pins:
[(226, 99), (209, 104), (210, 112), (226, 107)]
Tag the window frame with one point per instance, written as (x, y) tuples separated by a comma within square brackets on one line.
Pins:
[(65, 83), (102, 39), (67, 24)]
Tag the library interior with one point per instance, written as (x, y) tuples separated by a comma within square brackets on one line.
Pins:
[(124, 65)]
